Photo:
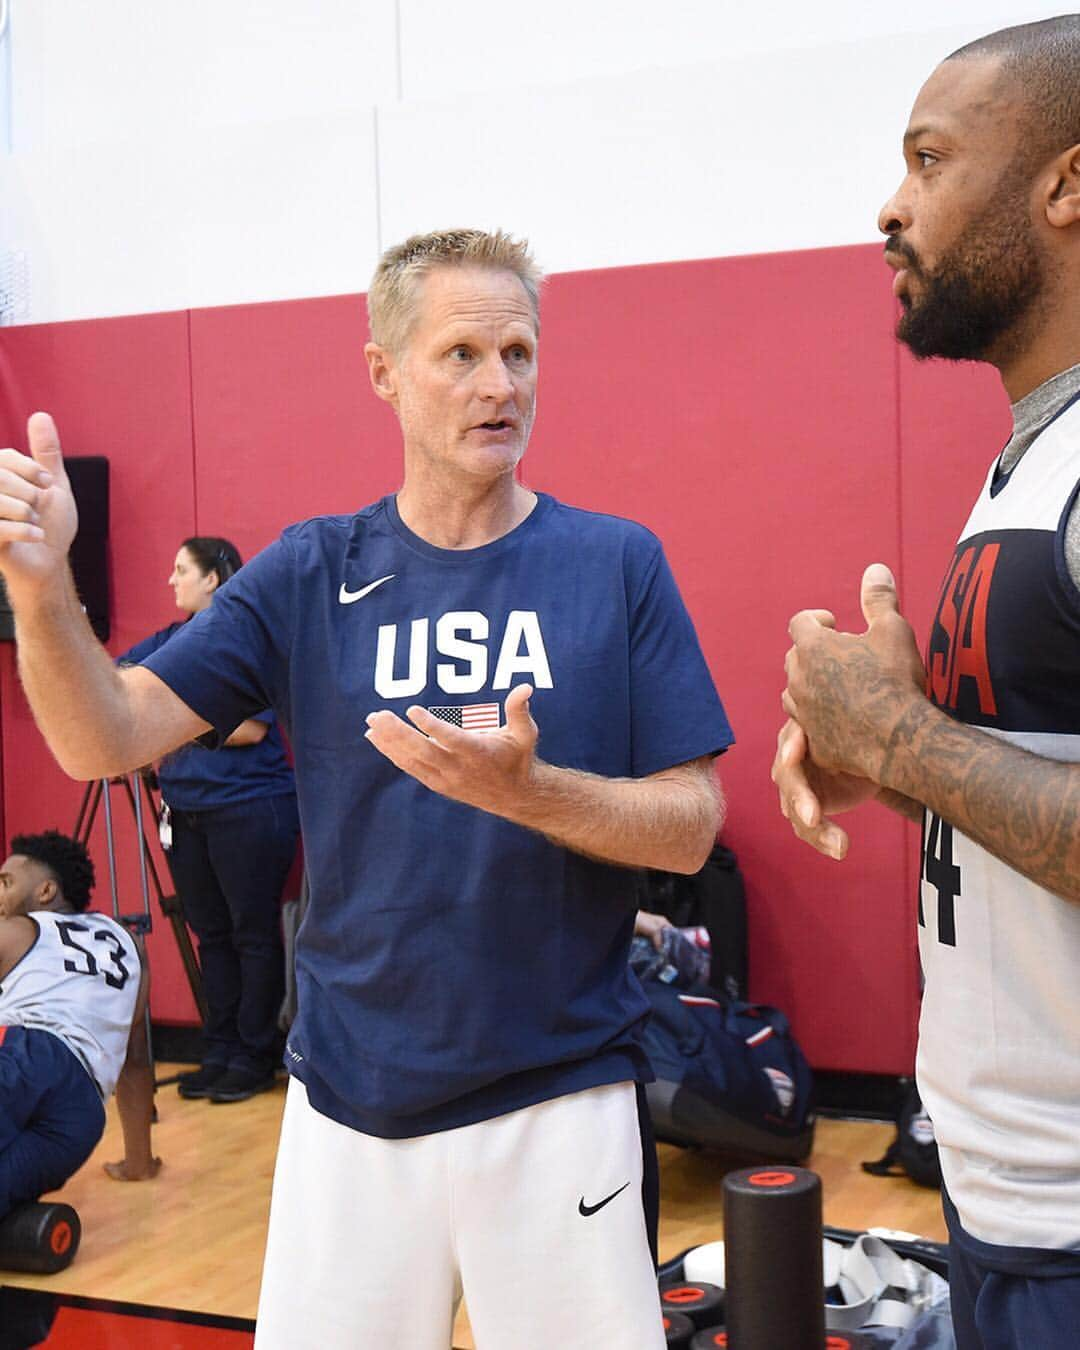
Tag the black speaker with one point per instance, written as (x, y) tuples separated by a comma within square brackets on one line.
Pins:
[(89, 475)]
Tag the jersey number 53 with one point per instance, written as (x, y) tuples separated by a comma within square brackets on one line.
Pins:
[(85, 961)]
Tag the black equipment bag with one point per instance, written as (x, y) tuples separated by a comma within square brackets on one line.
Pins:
[(914, 1151), (729, 1074)]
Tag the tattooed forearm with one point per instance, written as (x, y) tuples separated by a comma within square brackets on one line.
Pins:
[(1021, 807), (904, 806)]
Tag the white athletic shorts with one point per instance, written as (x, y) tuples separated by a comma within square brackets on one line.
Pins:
[(536, 1216)]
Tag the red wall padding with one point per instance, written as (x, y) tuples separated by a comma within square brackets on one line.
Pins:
[(121, 388), (285, 423), (755, 412)]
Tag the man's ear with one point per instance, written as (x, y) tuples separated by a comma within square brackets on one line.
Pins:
[(47, 893), (382, 368), (1063, 204)]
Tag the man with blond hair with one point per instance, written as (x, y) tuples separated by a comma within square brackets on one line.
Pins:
[(465, 1109)]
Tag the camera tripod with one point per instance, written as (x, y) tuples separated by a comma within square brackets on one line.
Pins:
[(140, 922)]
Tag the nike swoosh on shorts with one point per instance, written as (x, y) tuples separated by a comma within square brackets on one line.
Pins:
[(586, 1210)]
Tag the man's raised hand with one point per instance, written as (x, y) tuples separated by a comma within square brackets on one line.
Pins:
[(38, 517), (849, 692), (844, 698)]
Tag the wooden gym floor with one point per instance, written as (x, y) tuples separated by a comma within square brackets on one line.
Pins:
[(193, 1238)]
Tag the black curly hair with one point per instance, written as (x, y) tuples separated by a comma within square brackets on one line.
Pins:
[(66, 859)]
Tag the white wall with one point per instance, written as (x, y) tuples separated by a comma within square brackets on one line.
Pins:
[(170, 155)]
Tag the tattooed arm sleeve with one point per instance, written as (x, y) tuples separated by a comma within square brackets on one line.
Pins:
[(1021, 807)]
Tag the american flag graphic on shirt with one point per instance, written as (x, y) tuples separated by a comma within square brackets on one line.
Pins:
[(470, 716)]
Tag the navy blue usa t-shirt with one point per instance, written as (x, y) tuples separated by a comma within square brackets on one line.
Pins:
[(197, 778), (454, 966)]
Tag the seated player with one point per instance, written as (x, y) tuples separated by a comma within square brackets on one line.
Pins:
[(73, 991)]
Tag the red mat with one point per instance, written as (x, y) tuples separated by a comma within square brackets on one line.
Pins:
[(30, 1317)]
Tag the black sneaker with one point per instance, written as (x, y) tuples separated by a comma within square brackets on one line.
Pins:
[(237, 1085), (199, 1083)]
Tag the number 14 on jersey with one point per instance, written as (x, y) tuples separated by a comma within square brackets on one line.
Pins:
[(943, 874)]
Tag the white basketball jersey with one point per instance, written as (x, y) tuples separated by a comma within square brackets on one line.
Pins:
[(79, 981), (999, 1043)]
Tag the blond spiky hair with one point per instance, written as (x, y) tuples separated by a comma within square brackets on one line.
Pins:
[(392, 295)]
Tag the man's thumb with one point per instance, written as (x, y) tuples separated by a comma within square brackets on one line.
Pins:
[(877, 595), (44, 442), (517, 707)]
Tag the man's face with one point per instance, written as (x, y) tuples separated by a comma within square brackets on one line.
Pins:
[(464, 386), (969, 267), (25, 884)]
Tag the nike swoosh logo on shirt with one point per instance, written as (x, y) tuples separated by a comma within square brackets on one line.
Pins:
[(586, 1210), (347, 597)]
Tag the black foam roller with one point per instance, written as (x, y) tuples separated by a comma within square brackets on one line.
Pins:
[(772, 1255), (712, 1338), (39, 1238), (703, 1303), (677, 1331)]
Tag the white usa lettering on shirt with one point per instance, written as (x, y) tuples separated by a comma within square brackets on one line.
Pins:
[(462, 635)]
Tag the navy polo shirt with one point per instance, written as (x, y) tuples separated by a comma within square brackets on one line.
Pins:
[(454, 966)]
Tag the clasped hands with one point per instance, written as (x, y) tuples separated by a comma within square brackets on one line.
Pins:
[(845, 695)]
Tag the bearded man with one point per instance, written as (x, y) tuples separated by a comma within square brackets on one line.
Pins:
[(983, 745)]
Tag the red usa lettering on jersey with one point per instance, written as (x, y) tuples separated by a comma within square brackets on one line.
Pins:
[(465, 637), (958, 646)]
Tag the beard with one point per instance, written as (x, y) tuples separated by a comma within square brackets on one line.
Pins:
[(973, 306)]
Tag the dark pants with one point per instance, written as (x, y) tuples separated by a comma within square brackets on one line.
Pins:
[(1011, 1298), (229, 865), (51, 1116)]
